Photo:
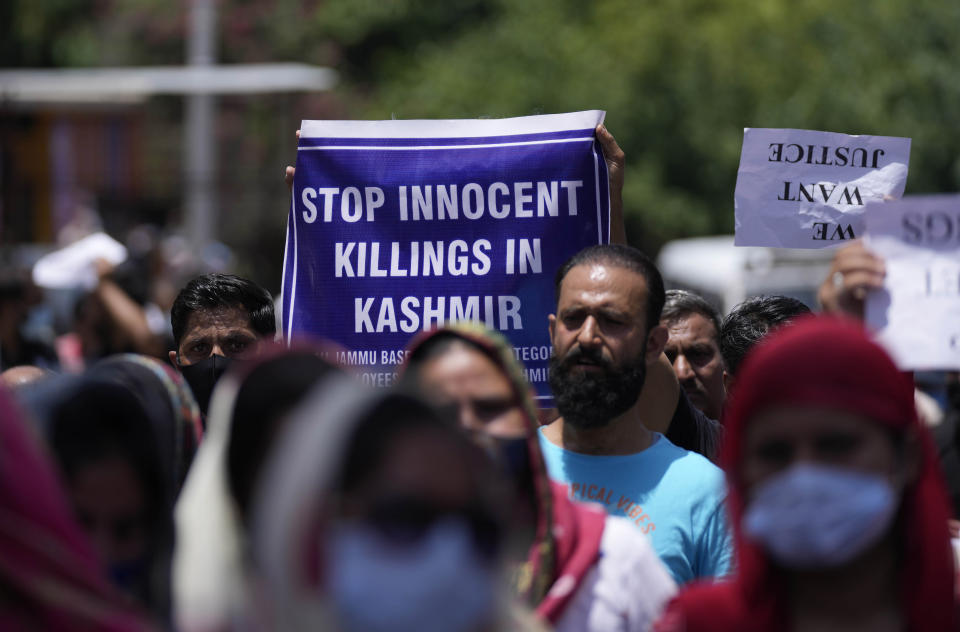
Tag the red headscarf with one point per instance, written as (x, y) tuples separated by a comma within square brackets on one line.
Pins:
[(832, 363), (567, 541), (50, 571)]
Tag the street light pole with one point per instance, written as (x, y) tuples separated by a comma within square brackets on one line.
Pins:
[(200, 155)]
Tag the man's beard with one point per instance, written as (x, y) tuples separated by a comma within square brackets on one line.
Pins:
[(591, 399)]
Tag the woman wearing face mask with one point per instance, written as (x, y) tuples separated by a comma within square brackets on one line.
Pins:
[(576, 567), (838, 504), (373, 514), (249, 407)]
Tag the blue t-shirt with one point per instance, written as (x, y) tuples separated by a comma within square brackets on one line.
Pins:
[(674, 496)]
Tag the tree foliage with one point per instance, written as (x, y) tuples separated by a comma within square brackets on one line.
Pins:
[(679, 80)]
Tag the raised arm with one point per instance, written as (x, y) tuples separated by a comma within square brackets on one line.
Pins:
[(126, 314), (289, 171), (854, 272), (615, 161)]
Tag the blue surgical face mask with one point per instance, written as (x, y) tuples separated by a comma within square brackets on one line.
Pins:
[(438, 583), (815, 516)]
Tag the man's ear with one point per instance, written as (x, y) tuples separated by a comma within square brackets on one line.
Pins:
[(173, 359), (728, 381), (551, 326), (656, 341)]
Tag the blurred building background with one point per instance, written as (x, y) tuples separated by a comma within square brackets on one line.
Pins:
[(680, 79)]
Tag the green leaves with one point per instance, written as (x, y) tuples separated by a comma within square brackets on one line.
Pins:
[(679, 80)]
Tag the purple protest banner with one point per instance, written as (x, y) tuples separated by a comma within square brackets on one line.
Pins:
[(396, 227)]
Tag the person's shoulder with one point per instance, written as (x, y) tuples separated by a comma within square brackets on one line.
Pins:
[(548, 448), (685, 459), (542, 435), (690, 472)]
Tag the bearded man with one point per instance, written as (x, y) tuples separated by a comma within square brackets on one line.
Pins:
[(605, 334)]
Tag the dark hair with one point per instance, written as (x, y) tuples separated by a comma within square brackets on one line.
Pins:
[(625, 257), (394, 416), (750, 321), (264, 399), (176, 442), (213, 291), (681, 303), (95, 421), (397, 416)]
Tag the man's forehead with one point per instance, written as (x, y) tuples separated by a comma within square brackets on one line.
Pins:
[(692, 325), (604, 277), (226, 318)]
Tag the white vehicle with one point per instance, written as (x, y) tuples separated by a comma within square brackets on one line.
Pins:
[(726, 275)]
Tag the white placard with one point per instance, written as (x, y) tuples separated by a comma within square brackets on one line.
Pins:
[(75, 265), (804, 189), (917, 314)]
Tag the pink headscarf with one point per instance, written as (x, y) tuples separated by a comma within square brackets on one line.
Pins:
[(45, 561)]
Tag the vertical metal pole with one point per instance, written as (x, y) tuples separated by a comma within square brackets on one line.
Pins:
[(200, 159)]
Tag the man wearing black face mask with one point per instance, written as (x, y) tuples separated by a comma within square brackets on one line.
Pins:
[(216, 319)]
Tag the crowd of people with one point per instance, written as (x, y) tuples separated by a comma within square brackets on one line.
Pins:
[(767, 469)]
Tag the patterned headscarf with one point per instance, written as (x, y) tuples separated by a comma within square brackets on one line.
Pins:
[(173, 411), (567, 534)]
